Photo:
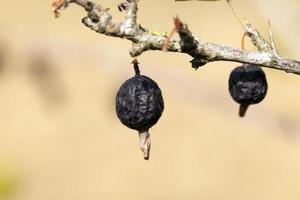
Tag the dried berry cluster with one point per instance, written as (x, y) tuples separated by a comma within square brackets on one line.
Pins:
[(139, 101)]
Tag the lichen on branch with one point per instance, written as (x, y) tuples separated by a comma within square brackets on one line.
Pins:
[(100, 20)]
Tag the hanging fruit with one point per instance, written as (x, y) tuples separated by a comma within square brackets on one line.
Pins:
[(139, 105), (247, 86)]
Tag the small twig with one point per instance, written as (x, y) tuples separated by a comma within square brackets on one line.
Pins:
[(273, 45), (243, 41), (235, 13), (177, 26)]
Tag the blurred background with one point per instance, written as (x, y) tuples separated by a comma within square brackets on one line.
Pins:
[(60, 138)]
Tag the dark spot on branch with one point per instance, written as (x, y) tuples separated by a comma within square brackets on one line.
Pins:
[(198, 62), (89, 6), (94, 17)]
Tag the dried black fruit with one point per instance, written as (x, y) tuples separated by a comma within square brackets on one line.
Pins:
[(139, 105), (247, 85)]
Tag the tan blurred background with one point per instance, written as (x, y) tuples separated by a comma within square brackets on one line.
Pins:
[(61, 140)]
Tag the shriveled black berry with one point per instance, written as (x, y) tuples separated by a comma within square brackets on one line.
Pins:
[(247, 85), (139, 104)]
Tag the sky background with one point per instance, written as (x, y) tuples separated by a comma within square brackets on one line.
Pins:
[(60, 138)]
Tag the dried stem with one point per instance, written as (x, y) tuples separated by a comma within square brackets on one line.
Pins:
[(136, 67), (145, 143), (243, 109)]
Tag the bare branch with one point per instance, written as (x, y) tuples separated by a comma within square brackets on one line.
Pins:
[(100, 20)]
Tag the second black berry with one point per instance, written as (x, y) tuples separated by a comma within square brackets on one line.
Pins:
[(247, 85)]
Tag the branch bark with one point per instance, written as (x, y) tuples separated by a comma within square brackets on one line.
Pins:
[(100, 20)]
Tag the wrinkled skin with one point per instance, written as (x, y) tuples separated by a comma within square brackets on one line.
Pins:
[(248, 84), (139, 103)]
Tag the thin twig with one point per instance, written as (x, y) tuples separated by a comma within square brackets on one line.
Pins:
[(273, 45)]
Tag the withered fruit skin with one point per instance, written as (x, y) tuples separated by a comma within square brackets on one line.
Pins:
[(139, 103), (248, 84)]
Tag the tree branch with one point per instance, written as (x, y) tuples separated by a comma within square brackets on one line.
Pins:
[(100, 20)]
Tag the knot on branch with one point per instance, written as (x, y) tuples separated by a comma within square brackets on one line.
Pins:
[(94, 17), (90, 24), (99, 20), (89, 6), (123, 6), (188, 46), (138, 48), (95, 13), (199, 62)]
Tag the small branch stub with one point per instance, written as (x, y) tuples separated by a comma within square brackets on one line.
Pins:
[(58, 5)]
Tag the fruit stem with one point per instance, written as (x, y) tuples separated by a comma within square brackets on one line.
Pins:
[(243, 109), (235, 13), (145, 143), (135, 63), (243, 41)]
